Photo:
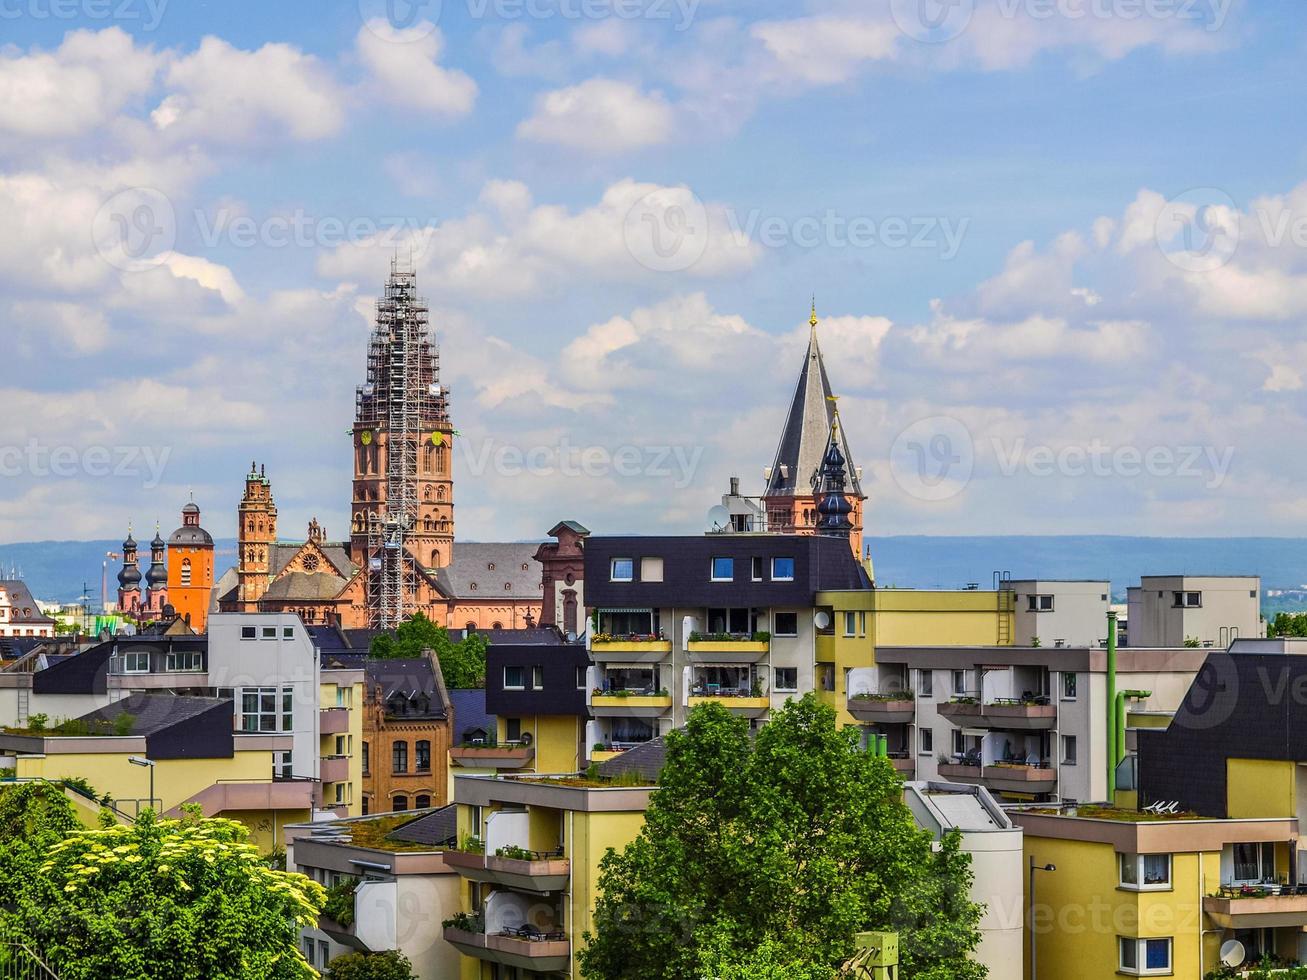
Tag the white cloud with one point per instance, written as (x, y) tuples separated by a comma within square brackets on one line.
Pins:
[(825, 50), (610, 38), (76, 88), (67, 328), (222, 94), (600, 115), (405, 69)]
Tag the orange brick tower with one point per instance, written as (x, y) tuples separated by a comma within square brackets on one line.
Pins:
[(256, 523), (190, 569)]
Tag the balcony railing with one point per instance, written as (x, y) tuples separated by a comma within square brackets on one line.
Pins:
[(631, 648), (333, 721), (335, 769), (526, 948), (883, 709), (1265, 906), (630, 704), (1010, 714), (506, 755), (534, 871)]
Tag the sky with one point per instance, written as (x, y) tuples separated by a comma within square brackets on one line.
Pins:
[(1058, 250)]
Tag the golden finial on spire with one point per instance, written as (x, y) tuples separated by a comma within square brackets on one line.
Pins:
[(813, 320)]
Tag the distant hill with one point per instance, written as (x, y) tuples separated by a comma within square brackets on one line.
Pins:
[(56, 570)]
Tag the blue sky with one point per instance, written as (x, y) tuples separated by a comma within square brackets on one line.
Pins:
[(1058, 248)]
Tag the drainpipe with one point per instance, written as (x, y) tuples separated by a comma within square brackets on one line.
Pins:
[(1111, 707)]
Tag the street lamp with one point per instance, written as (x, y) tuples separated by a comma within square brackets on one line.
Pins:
[(1034, 963), (137, 760)]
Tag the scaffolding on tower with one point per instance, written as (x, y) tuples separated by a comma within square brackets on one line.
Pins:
[(402, 399)]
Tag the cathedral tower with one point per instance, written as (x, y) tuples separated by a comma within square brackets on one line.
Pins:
[(190, 569), (129, 579), (256, 523), (403, 500), (811, 427)]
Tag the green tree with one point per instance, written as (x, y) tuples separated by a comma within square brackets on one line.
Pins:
[(462, 664), (165, 900), (1288, 624), (764, 857), (371, 966)]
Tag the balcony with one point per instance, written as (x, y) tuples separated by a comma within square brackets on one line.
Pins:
[(883, 709), (540, 872), (630, 704), (629, 649), (904, 763), (335, 769), (726, 648), (523, 949), (333, 721), (738, 704), (1258, 908), (1019, 778), (959, 772), (509, 756), (1004, 714)]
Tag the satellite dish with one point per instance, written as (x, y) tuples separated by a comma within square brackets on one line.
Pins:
[(526, 738), (821, 620), (719, 518), (1233, 953)]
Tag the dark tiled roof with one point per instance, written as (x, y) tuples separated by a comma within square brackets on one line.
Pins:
[(361, 639), (282, 552), (328, 638), (306, 586), (470, 575), (540, 636), (154, 712), (20, 598), (647, 760), (414, 680), (438, 828), (470, 713), (344, 660)]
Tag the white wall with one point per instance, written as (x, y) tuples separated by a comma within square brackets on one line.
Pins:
[(1078, 616)]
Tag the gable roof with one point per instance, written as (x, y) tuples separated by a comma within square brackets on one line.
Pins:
[(20, 598), (283, 553), (413, 680), (807, 431), (470, 713), (306, 587), (488, 570), (646, 759), (155, 712), (438, 828)]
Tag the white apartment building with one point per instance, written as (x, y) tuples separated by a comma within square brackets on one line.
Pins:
[(1212, 611), (1060, 613)]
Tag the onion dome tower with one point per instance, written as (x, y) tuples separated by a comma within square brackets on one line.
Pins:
[(833, 505), (129, 578)]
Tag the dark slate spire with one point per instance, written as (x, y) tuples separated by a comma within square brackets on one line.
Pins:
[(833, 507), (810, 421), (130, 575)]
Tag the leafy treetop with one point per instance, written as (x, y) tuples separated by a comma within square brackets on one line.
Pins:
[(462, 663)]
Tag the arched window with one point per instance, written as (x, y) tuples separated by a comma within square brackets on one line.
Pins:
[(470, 628), (422, 802), (422, 751), (497, 626), (399, 757), (399, 804), (186, 572), (365, 759)]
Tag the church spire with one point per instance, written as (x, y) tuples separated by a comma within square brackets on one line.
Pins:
[(833, 506)]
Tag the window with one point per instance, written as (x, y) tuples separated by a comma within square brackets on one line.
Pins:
[(651, 569), (537, 678), (422, 802), (344, 697), (1253, 863), (366, 806), (1187, 600), (399, 757), (259, 709), (1145, 872), (850, 624), (269, 632), (250, 633), (513, 679), (184, 660), (581, 684), (1145, 957), (136, 663), (757, 569), (422, 752), (343, 746), (787, 624), (1068, 750), (959, 683), (926, 738), (926, 683), (186, 572), (309, 946), (1068, 686), (288, 632), (512, 729), (365, 761), (399, 804), (622, 570), (723, 569), (782, 569), (1040, 603), (787, 678)]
